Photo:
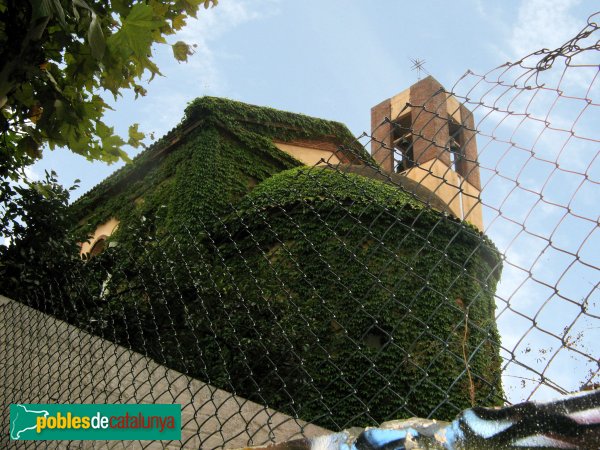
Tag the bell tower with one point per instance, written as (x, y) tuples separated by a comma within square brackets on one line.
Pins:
[(425, 134)]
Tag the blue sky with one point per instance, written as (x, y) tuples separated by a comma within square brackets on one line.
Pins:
[(332, 59), (335, 59)]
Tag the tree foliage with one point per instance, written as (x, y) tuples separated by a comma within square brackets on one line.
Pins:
[(42, 247), (57, 58)]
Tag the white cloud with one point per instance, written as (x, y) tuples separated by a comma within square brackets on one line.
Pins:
[(212, 25), (162, 108), (543, 24)]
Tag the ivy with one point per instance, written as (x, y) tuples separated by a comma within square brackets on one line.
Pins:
[(341, 259), (247, 134), (330, 296), (279, 299)]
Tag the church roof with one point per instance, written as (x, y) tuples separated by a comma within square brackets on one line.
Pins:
[(252, 125)]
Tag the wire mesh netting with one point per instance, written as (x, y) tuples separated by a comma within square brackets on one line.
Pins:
[(539, 166), (446, 259)]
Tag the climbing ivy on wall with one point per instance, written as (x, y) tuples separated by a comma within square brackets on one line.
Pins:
[(368, 293), (329, 296), (216, 138)]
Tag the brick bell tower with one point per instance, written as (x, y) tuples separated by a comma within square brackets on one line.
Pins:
[(425, 134)]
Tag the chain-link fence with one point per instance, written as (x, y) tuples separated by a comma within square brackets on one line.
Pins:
[(446, 259)]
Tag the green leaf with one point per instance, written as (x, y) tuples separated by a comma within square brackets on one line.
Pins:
[(41, 8), (96, 38), (141, 16), (60, 13), (178, 22), (48, 8), (139, 90), (82, 4), (59, 109), (136, 33), (42, 189), (135, 136), (181, 51), (28, 146), (111, 143), (160, 9)]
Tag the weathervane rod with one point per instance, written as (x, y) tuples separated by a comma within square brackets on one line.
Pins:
[(419, 66)]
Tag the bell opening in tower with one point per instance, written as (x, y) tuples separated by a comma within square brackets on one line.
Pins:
[(402, 141), (455, 143)]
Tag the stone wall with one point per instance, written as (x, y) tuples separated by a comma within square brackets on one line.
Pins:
[(45, 360)]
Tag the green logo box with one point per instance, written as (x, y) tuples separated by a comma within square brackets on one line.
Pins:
[(35, 422)]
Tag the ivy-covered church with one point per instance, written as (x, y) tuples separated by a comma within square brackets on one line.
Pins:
[(268, 254)]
